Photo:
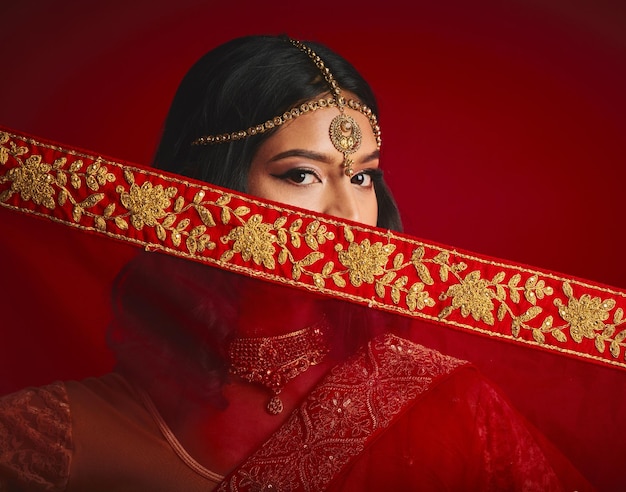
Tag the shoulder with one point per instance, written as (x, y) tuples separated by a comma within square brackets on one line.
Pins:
[(36, 437)]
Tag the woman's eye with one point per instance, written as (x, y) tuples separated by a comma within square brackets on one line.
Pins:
[(362, 179), (300, 176)]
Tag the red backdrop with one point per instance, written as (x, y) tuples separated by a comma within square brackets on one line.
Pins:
[(503, 124)]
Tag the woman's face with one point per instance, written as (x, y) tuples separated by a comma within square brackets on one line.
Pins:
[(300, 166)]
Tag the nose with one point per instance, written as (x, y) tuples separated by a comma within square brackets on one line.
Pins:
[(341, 201)]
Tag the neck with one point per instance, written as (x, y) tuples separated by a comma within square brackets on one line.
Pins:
[(268, 309)]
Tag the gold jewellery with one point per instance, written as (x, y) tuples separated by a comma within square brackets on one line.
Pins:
[(274, 361), (344, 131)]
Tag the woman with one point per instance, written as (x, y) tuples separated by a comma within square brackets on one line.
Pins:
[(228, 383)]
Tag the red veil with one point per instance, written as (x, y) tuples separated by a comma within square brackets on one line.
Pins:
[(555, 344)]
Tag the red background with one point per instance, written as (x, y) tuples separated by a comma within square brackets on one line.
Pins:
[(503, 125)]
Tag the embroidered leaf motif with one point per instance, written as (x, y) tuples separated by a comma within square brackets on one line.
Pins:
[(223, 200), (61, 178), (295, 240), (500, 292), (398, 260), (160, 232), (311, 258), (395, 295), (348, 234), (92, 183), (182, 225), (530, 314), (279, 222), (423, 273), (197, 231), (411, 301), (75, 181), (567, 289), (225, 216), (599, 342), (121, 223), (295, 226), (281, 237), (62, 197), (76, 166), (515, 328), (445, 312), (100, 223), (313, 227), (192, 245), (128, 176), (339, 280), (311, 242), (241, 211), (109, 209), (388, 277), (318, 280), (77, 213), (499, 277), (227, 256), (205, 216), (91, 200), (514, 280), (179, 204), (614, 349), (282, 257), (538, 336), (197, 199), (501, 312), (380, 289)]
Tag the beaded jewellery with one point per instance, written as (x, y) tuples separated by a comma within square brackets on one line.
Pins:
[(274, 361), (344, 131)]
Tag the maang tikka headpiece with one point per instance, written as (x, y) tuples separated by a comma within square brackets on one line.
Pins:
[(344, 131)]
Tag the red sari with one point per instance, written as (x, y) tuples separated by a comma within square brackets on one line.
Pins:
[(395, 416)]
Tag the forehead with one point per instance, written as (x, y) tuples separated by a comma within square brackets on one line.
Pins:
[(314, 130)]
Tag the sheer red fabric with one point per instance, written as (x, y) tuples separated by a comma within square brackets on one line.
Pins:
[(558, 389)]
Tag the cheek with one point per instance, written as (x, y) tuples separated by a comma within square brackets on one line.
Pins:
[(371, 214)]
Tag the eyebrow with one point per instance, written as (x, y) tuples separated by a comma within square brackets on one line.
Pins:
[(317, 156)]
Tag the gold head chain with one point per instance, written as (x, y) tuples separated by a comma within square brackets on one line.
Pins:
[(344, 131)]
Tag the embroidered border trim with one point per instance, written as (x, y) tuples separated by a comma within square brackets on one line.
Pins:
[(381, 269), (341, 416)]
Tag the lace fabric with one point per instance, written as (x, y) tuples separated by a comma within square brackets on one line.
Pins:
[(36, 438)]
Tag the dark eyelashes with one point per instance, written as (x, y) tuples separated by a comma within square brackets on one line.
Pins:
[(296, 175), (375, 173)]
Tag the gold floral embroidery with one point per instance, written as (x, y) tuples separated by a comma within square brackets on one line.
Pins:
[(369, 266), (586, 318), (365, 261), (146, 203), (354, 402), (32, 181), (473, 297), (253, 240)]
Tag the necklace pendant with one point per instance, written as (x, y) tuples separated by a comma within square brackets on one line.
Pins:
[(275, 405)]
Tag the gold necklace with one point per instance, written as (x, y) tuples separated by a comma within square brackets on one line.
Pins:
[(274, 361)]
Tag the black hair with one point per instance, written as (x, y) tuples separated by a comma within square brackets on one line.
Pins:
[(173, 318), (243, 83)]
